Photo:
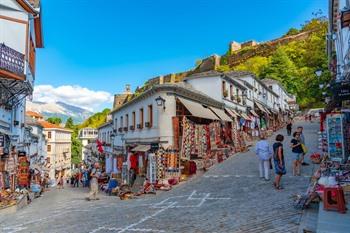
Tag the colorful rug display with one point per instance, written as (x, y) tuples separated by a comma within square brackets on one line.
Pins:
[(188, 136)]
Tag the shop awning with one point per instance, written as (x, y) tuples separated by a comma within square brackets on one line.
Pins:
[(221, 113), (233, 114), (254, 113), (245, 116), (141, 148), (198, 110), (261, 108)]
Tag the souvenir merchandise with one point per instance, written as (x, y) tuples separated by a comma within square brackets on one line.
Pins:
[(215, 135), (2, 181), (160, 165), (201, 140), (235, 138), (151, 171), (187, 139), (338, 136)]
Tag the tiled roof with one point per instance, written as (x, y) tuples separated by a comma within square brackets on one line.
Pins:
[(34, 114), (270, 81), (48, 125), (185, 88), (238, 74)]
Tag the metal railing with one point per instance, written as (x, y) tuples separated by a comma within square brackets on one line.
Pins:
[(11, 60)]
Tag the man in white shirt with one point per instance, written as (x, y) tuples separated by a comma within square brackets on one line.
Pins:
[(264, 153)]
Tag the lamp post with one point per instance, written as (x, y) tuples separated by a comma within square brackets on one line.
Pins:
[(160, 102), (318, 73)]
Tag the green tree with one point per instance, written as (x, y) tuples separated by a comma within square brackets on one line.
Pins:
[(282, 68), (96, 120), (292, 31), (69, 123), (76, 143), (255, 65), (54, 120)]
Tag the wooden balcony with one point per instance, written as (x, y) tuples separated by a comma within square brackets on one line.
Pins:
[(11, 63), (14, 84)]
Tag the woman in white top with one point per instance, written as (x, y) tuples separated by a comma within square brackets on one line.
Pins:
[(264, 153)]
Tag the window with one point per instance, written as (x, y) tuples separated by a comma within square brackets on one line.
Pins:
[(141, 118), (224, 92), (150, 115), (48, 148), (231, 90), (133, 119), (237, 92), (127, 120), (121, 122), (49, 134), (115, 123)]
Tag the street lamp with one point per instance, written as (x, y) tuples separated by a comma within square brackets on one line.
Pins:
[(160, 102), (318, 73)]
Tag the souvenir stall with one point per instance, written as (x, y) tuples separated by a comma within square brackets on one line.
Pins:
[(338, 135), (23, 174), (255, 124), (203, 145), (246, 125), (263, 116), (236, 134)]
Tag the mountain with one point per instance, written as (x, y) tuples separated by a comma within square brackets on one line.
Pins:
[(96, 120), (59, 109)]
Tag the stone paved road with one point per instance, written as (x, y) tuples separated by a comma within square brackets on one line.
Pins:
[(228, 198)]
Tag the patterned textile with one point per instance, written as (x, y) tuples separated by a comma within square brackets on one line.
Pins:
[(160, 165), (176, 130), (2, 181), (187, 139)]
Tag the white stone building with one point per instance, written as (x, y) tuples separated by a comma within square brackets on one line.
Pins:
[(223, 88), (148, 118), (20, 36), (59, 150), (87, 136), (36, 142)]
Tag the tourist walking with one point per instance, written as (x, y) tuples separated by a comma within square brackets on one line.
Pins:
[(297, 153), (278, 158), (302, 141), (95, 173), (76, 180), (264, 154), (289, 127), (60, 182)]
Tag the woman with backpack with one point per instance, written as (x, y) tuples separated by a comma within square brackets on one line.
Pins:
[(278, 158)]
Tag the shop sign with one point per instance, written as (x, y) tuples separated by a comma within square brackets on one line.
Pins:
[(341, 91), (154, 146)]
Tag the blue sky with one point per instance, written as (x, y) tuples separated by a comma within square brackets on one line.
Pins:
[(102, 45)]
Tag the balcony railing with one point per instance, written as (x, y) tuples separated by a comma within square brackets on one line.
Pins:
[(11, 60)]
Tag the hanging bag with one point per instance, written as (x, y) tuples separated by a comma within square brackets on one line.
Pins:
[(304, 148)]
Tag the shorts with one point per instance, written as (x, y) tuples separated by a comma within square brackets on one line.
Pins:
[(297, 156)]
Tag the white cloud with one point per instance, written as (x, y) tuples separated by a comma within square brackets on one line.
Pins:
[(74, 95)]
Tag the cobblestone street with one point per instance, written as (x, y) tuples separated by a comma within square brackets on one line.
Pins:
[(230, 197)]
